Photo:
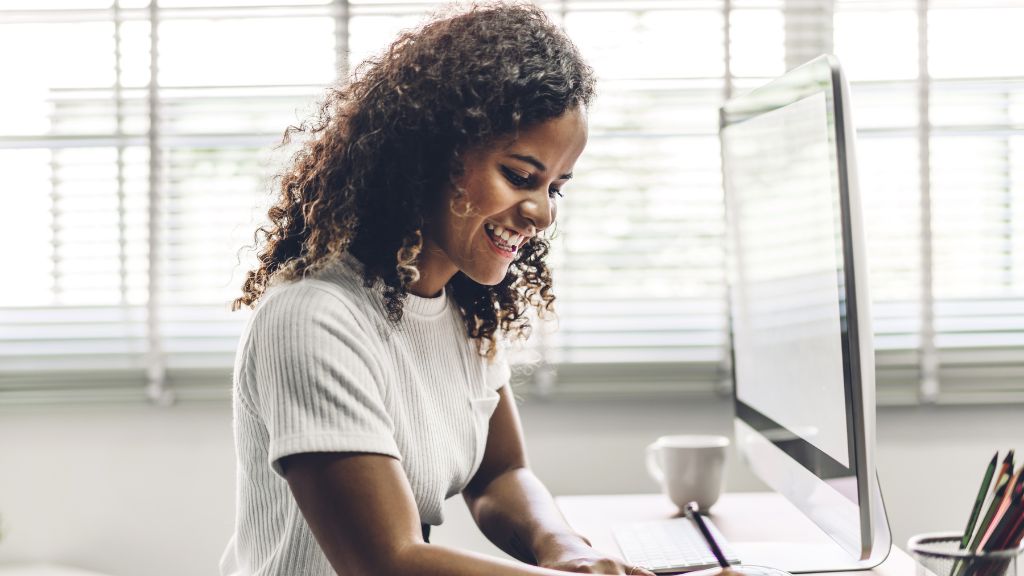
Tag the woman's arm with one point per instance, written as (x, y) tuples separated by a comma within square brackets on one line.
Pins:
[(362, 512), (517, 513)]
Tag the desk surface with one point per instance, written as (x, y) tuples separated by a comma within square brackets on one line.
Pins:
[(751, 521), (43, 570)]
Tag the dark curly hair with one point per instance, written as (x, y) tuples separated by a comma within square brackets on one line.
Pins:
[(386, 146)]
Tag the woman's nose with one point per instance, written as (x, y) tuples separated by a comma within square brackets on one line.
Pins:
[(538, 210)]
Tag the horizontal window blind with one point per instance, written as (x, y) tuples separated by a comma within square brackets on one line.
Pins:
[(938, 99), (144, 164), (140, 164), (640, 267)]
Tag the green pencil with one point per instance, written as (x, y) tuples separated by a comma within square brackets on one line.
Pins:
[(979, 500)]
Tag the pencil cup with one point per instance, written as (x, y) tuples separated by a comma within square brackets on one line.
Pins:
[(939, 554), (688, 468)]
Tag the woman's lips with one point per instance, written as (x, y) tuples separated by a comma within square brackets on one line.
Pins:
[(497, 249)]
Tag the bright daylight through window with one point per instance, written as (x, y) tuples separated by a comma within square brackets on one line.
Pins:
[(130, 201)]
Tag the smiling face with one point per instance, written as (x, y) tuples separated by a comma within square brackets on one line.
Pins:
[(512, 188)]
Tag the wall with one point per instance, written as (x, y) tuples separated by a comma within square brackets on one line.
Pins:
[(140, 490)]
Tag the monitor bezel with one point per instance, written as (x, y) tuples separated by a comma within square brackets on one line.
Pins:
[(824, 75)]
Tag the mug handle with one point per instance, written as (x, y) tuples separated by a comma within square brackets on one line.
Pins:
[(653, 467)]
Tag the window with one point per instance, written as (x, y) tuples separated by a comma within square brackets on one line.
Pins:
[(130, 200)]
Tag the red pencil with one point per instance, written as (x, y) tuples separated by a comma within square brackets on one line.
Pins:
[(1002, 533), (1016, 532), (1012, 486)]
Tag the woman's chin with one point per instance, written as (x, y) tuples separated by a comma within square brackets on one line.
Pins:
[(489, 278)]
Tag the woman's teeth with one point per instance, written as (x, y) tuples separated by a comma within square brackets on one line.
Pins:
[(505, 239)]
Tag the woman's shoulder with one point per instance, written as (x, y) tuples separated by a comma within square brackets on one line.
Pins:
[(332, 293)]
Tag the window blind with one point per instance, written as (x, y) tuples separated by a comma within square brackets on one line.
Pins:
[(938, 100), (140, 164)]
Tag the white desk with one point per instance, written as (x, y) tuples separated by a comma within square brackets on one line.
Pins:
[(753, 523), (43, 570)]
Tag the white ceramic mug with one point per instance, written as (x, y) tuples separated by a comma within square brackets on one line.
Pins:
[(689, 467)]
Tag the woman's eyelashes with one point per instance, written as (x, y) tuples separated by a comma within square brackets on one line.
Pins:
[(515, 178), (527, 182)]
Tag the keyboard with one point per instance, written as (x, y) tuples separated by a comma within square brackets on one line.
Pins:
[(669, 546)]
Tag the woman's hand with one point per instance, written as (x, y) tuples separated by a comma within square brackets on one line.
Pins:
[(597, 564), (580, 558)]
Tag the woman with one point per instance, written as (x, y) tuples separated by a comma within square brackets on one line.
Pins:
[(404, 249)]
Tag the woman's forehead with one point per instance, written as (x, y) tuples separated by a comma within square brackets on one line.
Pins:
[(550, 140)]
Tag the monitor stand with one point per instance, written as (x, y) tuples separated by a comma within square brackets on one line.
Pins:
[(772, 532), (796, 557)]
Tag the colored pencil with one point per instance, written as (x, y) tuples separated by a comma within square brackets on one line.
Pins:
[(979, 500), (999, 488), (1004, 505), (1002, 535), (1017, 531), (1000, 538)]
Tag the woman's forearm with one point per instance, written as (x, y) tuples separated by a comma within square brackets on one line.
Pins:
[(517, 513), (434, 560)]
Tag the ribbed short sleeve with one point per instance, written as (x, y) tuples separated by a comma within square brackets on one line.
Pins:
[(317, 379)]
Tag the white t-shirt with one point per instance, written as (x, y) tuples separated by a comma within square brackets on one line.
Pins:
[(320, 369)]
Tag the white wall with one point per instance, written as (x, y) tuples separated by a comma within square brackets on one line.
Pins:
[(140, 490)]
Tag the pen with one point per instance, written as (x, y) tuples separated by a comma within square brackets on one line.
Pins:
[(693, 513)]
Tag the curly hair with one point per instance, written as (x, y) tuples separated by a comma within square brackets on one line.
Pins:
[(386, 147)]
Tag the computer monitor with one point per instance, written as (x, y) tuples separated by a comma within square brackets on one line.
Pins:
[(803, 358)]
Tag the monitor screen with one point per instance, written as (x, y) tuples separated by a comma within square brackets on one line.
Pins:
[(788, 298)]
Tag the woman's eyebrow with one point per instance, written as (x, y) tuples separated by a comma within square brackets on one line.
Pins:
[(538, 164)]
